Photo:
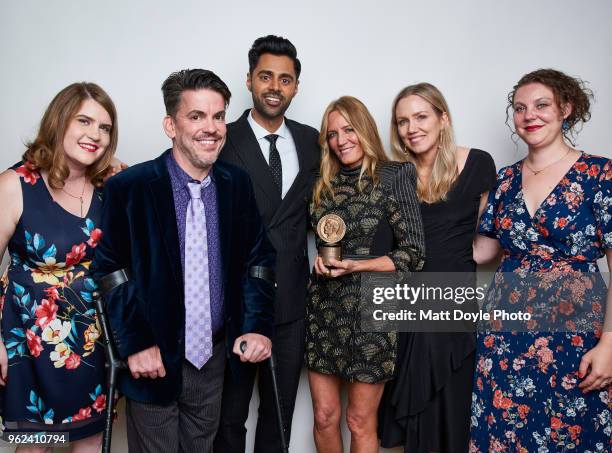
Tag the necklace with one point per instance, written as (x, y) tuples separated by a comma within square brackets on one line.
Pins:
[(77, 197), (537, 172)]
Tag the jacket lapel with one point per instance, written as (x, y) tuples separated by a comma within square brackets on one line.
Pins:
[(223, 181), (296, 190), (244, 142), (163, 205)]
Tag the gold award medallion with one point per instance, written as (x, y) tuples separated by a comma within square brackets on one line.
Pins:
[(331, 228)]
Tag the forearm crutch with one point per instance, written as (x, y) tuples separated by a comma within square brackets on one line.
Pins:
[(267, 274), (113, 363), (277, 401)]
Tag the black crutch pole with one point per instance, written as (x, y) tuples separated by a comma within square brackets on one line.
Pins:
[(113, 363), (277, 402), (267, 274)]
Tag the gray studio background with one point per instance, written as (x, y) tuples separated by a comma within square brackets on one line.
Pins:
[(474, 51)]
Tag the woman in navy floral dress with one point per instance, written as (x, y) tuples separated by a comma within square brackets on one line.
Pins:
[(551, 213), (52, 363)]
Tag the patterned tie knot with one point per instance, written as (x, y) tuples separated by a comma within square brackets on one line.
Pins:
[(271, 138), (195, 190)]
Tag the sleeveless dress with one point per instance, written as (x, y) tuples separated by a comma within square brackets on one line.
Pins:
[(525, 394), (56, 376), (426, 408), (381, 219)]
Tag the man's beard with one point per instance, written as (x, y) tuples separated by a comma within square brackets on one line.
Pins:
[(271, 113)]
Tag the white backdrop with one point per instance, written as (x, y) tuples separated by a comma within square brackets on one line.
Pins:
[(474, 51)]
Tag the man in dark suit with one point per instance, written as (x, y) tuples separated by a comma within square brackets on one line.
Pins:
[(281, 156), (188, 230)]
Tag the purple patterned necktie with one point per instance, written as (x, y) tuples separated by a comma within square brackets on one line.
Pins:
[(198, 324)]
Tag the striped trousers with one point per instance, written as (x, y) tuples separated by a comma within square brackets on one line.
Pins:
[(188, 424)]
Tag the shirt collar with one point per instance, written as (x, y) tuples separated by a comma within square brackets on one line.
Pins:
[(260, 132), (179, 178)]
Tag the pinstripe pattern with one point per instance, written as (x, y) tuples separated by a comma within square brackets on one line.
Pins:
[(187, 424), (400, 178)]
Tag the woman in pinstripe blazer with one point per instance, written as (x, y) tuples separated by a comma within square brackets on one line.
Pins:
[(377, 201)]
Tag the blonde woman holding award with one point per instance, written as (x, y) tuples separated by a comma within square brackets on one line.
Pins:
[(366, 213)]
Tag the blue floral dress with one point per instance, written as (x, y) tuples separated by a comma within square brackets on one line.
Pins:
[(526, 396), (49, 325)]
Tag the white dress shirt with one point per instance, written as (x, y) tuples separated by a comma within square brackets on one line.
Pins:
[(286, 149)]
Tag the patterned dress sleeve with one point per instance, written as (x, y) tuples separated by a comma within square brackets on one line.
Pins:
[(405, 217), (602, 206), (487, 219)]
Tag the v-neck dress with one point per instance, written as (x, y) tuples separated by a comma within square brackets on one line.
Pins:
[(526, 395), (49, 326)]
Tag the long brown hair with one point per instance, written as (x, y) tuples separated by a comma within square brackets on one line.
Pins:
[(46, 152), (360, 119), (444, 171)]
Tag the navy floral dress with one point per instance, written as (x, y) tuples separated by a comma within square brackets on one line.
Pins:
[(49, 325), (526, 396)]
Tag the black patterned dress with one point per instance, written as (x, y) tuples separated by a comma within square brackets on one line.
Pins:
[(381, 219)]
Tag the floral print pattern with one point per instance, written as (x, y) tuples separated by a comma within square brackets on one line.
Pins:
[(526, 396), (49, 324)]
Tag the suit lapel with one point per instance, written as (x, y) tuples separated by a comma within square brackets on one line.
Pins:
[(296, 190), (223, 182), (245, 144), (163, 205)]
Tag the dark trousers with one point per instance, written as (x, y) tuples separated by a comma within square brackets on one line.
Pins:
[(188, 424), (288, 349)]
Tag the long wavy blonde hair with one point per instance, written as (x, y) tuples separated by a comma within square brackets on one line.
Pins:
[(444, 173), (360, 119), (46, 151)]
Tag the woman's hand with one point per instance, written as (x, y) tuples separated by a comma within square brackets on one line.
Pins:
[(599, 360), (3, 364), (336, 268), (340, 268), (320, 268), (116, 166)]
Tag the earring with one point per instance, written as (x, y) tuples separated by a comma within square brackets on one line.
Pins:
[(565, 126), (405, 148)]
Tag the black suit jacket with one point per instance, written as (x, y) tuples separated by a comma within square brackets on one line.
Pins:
[(140, 233), (286, 219)]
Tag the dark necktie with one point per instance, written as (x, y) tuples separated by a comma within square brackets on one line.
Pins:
[(275, 163)]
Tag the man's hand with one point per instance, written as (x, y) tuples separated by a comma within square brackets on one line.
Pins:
[(258, 347), (147, 363)]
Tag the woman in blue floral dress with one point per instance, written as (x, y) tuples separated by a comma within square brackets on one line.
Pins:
[(51, 360), (550, 213)]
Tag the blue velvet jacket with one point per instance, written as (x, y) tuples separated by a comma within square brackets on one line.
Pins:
[(140, 233)]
